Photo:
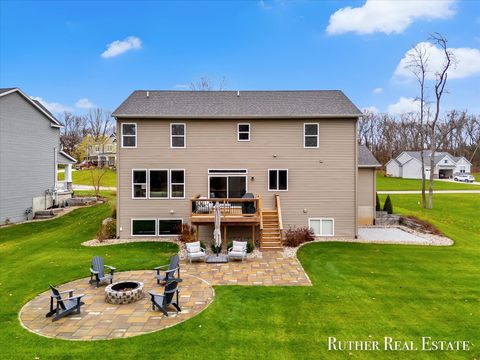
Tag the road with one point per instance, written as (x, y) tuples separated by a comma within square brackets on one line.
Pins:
[(406, 192)]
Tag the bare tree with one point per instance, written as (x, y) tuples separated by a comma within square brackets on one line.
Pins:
[(418, 66), (441, 76), (99, 128), (99, 123), (72, 133), (207, 84)]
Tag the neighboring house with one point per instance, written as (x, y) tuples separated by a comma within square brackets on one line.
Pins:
[(102, 152), (408, 165), (30, 153), (295, 151)]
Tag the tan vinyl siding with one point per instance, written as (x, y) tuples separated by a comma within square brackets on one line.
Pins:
[(320, 180), (366, 196)]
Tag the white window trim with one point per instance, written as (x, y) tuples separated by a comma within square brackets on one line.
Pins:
[(157, 231), (146, 179), (136, 133), (321, 230), (305, 135), (171, 184), (268, 180), (227, 175), (226, 172), (168, 185), (131, 226), (184, 136), (244, 132)]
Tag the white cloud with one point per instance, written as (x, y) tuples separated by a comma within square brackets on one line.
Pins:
[(54, 107), (387, 16), (371, 109), (377, 90), (403, 106), (182, 86), (84, 104), (120, 46), (264, 6), (467, 62)]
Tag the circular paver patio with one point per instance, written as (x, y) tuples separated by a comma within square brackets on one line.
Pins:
[(100, 320)]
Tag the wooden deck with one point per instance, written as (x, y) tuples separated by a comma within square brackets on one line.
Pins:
[(234, 211)]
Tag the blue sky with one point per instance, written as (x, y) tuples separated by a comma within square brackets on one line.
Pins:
[(53, 50)]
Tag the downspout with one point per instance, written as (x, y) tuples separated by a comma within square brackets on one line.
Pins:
[(117, 164), (356, 178)]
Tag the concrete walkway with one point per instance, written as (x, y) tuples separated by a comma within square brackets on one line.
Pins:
[(406, 192), (88, 188)]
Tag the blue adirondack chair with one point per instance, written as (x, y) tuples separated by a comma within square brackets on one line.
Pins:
[(97, 271), (162, 301), (168, 271), (63, 306)]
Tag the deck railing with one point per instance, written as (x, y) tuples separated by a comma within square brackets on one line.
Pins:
[(228, 206)]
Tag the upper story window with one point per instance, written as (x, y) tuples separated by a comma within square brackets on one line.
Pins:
[(243, 132), (310, 135), (139, 184), (177, 135), (277, 180), (109, 148), (129, 135), (97, 148)]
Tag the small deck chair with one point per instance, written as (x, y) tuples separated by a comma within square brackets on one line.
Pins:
[(97, 271), (63, 307), (162, 301), (169, 271)]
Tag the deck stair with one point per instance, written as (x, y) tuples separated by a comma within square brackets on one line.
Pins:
[(271, 228)]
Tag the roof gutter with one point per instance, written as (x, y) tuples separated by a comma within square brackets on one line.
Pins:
[(316, 116)]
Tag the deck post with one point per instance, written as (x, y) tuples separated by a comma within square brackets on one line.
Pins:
[(225, 235), (196, 233), (253, 235)]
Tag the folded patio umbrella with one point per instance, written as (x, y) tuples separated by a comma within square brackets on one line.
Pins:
[(217, 236)]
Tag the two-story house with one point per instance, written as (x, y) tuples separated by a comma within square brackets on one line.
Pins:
[(102, 152), (271, 159), (30, 153)]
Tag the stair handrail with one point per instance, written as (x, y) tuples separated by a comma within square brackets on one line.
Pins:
[(279, 211)]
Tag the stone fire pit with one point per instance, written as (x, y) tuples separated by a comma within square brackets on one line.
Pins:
[(124, 292)]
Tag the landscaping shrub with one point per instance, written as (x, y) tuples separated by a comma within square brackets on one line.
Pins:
[(114, 213), (296, 236), (108, 229), (388, 207), (214, 248), (377, 203), (187, 233)]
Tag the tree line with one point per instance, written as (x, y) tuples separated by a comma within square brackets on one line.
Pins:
[(387, 135)]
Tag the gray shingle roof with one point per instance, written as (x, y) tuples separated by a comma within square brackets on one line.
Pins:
[(4, 90), (366, 158), (244, 104), (426, 156)]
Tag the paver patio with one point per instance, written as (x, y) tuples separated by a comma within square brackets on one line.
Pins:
[(100, 320)]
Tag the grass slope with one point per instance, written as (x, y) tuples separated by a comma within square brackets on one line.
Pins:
[(389, 183), (361, 291), (83, 177)]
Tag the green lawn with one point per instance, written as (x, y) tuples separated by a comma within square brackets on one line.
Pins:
[(360, 291), (83, 177), (390, 183)]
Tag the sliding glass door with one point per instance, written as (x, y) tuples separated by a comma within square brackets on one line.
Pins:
[(227, 186)]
